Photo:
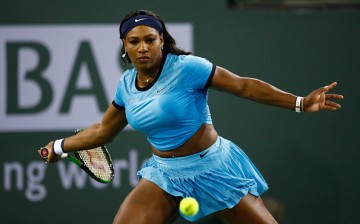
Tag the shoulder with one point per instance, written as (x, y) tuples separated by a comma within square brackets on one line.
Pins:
[(186, 59), (191, 61)]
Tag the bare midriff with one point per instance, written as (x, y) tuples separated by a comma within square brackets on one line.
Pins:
[(201, 140)]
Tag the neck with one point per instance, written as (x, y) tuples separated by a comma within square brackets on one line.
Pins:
[(144, 80), (147, 75)]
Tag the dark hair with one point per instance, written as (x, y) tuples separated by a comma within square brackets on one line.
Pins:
[(169, 41)]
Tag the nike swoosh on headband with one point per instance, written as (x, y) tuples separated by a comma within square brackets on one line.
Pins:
[(138, 20)]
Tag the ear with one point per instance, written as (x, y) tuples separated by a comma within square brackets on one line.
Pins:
[(162, 40), (123, 42)]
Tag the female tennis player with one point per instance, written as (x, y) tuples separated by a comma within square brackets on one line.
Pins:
[(165, 96)]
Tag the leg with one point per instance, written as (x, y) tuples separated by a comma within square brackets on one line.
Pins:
[(250, 209), (147, 203)]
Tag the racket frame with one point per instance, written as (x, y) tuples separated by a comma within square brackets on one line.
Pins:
[(79, 162)]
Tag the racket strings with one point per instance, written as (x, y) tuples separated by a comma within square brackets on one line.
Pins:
[(98, 163)]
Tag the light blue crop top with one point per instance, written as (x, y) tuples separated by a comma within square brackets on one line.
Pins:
[(174, 106)]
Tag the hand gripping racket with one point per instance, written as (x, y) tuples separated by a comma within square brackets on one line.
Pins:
[(95, 162)]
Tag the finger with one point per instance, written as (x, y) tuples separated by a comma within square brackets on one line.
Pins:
[(321, 90), (54, 158), (330, 105), (58, 158), (332, 85), (334, 96)]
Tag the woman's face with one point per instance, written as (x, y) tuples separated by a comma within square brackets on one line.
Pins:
[(143, 45)]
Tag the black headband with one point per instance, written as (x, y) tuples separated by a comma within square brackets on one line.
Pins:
[(140, 20)]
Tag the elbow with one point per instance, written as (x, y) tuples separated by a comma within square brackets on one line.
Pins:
[(243, 89), (251, 88), (105, 138), (101, 136)]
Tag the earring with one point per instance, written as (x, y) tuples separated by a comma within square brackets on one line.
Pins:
[(123, 55)]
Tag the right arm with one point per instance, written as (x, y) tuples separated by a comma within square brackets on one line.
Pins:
[(113, 121)]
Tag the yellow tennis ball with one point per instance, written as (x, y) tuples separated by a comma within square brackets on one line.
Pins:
[(189, 206)]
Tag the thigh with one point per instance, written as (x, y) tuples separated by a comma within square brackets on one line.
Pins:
[(250, 209), (147, 203)]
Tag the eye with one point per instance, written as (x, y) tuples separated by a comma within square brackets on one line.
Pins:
[(133, 42), (151, 40)]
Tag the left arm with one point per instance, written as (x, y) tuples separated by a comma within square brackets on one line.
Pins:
[(262, 92)]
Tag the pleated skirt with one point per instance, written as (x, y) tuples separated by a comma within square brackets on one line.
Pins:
[(217, 177)]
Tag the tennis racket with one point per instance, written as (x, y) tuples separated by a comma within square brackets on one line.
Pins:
[(95, 162)]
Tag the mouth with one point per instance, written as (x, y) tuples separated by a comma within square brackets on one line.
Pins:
[(143, 59)]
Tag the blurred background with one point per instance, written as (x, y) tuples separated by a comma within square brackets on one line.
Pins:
[(59, 64)]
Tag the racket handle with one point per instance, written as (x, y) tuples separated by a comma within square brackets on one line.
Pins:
[(44, 152)]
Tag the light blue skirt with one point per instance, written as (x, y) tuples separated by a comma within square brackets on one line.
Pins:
[(217, 177)]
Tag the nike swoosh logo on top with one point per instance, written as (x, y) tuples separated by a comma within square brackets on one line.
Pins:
[(202, 155), (138, 20), (159, 90)]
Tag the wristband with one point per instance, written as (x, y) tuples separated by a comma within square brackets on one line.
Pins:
[(298, 103), (58, 147)]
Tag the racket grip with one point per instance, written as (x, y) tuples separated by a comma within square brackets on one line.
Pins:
[(44, 152)]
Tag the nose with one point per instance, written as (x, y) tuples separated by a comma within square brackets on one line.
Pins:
[(143, 47)]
